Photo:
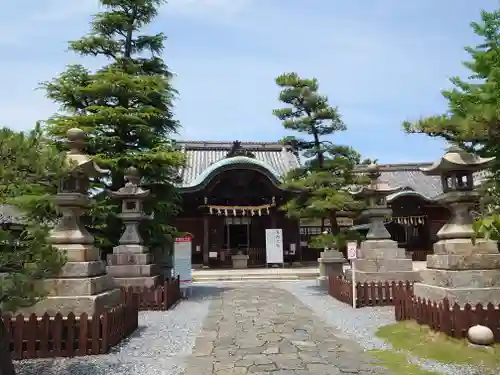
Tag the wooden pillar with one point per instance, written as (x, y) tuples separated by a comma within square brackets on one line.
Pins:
[(273, 219), (206, 236), (298, 249)]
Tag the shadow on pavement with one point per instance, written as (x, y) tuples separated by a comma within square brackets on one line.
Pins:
[(316, 290), (80, 366), (199, 292)]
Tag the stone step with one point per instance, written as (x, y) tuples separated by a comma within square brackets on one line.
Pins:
[(268, 276)]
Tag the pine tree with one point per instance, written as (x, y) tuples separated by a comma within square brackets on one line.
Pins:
[(473, 117), (126, 110), (29, 171), (329, 169)]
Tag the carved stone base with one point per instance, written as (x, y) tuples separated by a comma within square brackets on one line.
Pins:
[(390, 276), (462, 271), (383, 260)]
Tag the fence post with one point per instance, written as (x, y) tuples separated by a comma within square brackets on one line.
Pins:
[(166, 295), (104, 330)]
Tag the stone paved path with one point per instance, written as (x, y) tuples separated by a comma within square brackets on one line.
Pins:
[(264, 330)]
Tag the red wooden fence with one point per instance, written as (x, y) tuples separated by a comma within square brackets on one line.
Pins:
[(159, 298), (454, 320), (58, 336), (367, 294), (69, 336)]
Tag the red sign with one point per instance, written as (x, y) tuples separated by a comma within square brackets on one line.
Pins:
[(183, 239)]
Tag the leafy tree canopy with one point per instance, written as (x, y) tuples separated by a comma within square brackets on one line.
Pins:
[(125, 108), (473, 116), (30, 167), (329, 169)]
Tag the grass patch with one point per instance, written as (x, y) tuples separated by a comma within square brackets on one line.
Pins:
[(422, 342), (398, 363)]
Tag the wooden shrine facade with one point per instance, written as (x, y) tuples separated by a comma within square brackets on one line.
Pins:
[(231, 200), (231, 195)]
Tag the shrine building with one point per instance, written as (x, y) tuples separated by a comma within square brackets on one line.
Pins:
[(231, 193)]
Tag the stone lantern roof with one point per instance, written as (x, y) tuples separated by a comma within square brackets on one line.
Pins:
[(457, 159), (76, 157), (131, 190)]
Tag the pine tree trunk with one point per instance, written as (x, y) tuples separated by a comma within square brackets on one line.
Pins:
[(6, 364)]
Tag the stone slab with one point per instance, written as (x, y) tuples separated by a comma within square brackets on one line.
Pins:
[(464, 246), (461, 296), (386, 249), (384, 265), (130, 249), (462, 278), (464, 262), (133, 270), (80, 253), (147, 281), (85, 286), (262, 329), (369, 277), (76, 304), (127, 258), (83, 269)]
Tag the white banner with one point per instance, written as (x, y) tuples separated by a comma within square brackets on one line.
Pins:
[(352, 250), (182, 259), (274, 246)]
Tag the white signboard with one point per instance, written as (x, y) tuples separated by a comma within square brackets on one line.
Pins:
[(352, 254), (182, 260), (274, 246), (352, 250)]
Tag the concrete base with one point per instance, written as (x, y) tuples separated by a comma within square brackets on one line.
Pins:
[(141, 281), (331, 262), (75, 304), (461, 296), (240, 261)]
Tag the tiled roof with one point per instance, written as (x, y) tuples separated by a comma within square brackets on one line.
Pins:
[(201, 155), (409, 176), (280, 159)]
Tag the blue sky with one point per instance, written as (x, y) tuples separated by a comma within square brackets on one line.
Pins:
[(381, 62)]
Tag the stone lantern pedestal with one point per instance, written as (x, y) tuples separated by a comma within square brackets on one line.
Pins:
[(460, 270), (83, 285), (131, 263), (380, 258), (331, 261)]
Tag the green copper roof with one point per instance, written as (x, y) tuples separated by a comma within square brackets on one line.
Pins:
[(231, 161)]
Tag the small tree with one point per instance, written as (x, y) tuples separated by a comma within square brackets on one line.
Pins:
[(26, 257), (329, 170), (126, 110), (473, 117)]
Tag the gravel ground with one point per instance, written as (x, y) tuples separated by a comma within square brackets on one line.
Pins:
[(160, 345), (165, 339), (361, 324)]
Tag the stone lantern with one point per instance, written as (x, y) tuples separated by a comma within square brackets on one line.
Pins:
[(131, 263), (380, 258), (83, 285), (461, 270)]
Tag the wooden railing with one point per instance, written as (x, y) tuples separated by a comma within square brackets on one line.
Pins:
[(68, 336), (159, 298), (367, 294), (454, 320)]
